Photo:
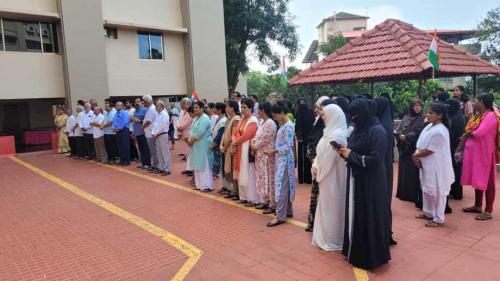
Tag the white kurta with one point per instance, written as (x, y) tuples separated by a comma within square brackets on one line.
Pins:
[(331, 175)]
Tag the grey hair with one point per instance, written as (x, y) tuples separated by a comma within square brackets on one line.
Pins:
[(160, 102), (79, 108), (186, 100), (147, 98)]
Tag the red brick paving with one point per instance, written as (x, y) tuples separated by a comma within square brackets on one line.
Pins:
[(49, 233)]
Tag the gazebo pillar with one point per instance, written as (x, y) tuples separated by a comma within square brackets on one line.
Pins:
[(474, 85), (372, 88), (421, 88)]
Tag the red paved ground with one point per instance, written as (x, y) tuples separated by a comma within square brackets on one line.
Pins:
[(49, 233)]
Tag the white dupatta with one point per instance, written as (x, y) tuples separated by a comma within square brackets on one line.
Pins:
[(245, 149)]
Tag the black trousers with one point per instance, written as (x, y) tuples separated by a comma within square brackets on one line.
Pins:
[(88, 142), (123, 138), (303, 166), (80, 151), (142, 143), (111, 147), (72, 145)]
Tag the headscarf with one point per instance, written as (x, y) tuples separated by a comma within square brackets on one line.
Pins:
[(412, 120), (387, 96), (384, 114), (320, 100), (335, 124), (457, 121), (361, 113), (343, 103)]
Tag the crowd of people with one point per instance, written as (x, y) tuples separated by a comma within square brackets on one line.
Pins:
[(342, 148)]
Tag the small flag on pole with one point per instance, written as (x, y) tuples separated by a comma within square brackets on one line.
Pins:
[(195, 97), (284, 74), (433, 56)]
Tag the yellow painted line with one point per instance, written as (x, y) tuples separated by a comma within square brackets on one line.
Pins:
[(206, 195), (192, 252), (360, 274)]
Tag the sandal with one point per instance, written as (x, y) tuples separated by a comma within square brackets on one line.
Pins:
[(433, 224), (484, 216), (250, 204), (473, 209), (261, 207), (423, 217)]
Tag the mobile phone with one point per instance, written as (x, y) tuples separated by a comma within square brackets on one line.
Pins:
[(336, 145)]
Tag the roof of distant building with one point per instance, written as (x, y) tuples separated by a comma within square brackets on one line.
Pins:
[(342, 16), (311, 55), (392, 50)]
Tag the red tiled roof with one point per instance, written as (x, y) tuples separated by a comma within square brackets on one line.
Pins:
[(392, 50)]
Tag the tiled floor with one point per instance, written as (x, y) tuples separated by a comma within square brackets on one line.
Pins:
[(49, 233)]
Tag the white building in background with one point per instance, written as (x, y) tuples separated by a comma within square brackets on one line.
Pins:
[(61, 51)]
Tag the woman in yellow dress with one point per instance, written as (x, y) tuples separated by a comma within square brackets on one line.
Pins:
[(60, 121)]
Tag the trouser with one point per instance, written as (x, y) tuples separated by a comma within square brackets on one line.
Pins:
[(111, 147), (80, 151), (124, 146), (284, 205), (100, 150), (163, 153), (72, 146), (175, 120), (134, 154), (456, 188), (434, 206), (490, 195), (303, 165), (152, 150), (145, 155), (88, 140)]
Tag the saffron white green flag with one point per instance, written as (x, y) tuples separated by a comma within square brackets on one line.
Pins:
[(433, 56)]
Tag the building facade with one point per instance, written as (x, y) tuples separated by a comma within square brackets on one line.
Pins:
[(62, 51)]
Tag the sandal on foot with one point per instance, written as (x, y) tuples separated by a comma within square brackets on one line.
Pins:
[(261, 207), (423, 217), (268, 211), (474, 209), (250, 204), (484, 216), (433, 224)]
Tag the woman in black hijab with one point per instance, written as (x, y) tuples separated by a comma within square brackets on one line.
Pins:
[(407, 135), (457, 127), (385, 117), (304, 122), (367, 230)]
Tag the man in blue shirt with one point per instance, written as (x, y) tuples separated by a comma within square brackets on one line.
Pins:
[(142, 143), (120, 126)]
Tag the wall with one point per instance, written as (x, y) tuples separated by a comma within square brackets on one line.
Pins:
[(332, 27), (30, 6), (161, 13), (85, 55), (31, 75), (206, 44), (40, 113), (130, 76)]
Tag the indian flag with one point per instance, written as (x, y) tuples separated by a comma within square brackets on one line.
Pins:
[(284, 74), (195, 97), (433, 56)]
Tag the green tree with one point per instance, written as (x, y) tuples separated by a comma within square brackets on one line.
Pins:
[(254, 25), (335, 42), (488, 34)]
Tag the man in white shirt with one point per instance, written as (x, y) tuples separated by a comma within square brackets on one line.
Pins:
[(68, 130), (160, 133), (147, 127), (134, 153), (98, 132), (88, 136), (110, 141), (175, 119), (77, 131)]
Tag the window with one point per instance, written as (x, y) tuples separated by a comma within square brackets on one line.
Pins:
[(28, 36), (110, 33), (150, 46)]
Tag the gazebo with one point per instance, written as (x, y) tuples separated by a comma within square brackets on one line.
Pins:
[(392, 50)]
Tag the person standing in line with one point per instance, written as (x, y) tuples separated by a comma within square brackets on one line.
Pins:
[(220, 110), (60, 121), (210, 108), (78, 133), (138, 134), (147, 128), (407, 135), (200, 157), (88, 136), (69, 132), (457, 126), (160, 133), (175, 119), (256, 107), (110, 142), (463, 99), (303, 125), (98, 132), (236, 96), (244, 167), (228, 181), (330, 171), (315, 136), (433, 157), (121, 124), (185, 121), (265, 141), (367, 228), (480, 150), (284, 180), (134, 154)]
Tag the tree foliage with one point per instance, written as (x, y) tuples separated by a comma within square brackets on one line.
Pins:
[(488, 34), (251, 27), (335, 42)]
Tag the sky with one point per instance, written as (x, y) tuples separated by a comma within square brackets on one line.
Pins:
[(423, 14)]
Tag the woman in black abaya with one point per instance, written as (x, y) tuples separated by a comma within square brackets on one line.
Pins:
[(457, 127), (367, 229)]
